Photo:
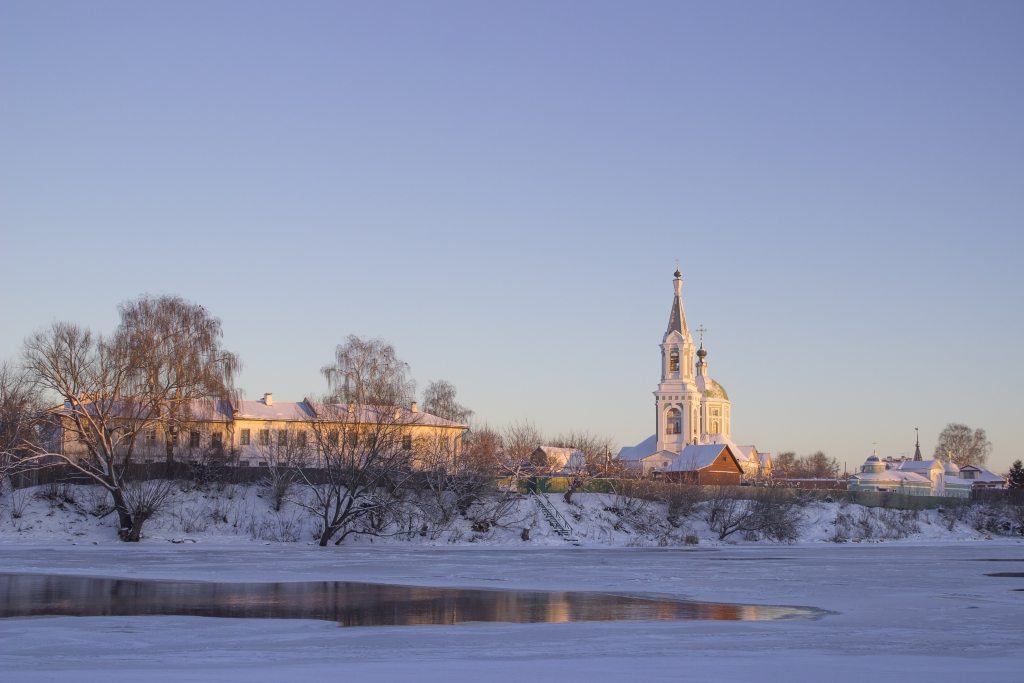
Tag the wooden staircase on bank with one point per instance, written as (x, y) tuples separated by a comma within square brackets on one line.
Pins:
[(555, 519)]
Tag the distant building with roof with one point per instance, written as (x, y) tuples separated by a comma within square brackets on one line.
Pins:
[(691, 409), (556, 460), (704, 464), (982, 478), (918, 477)]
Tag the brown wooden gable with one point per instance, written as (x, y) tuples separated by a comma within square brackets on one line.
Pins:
[(726, 461)]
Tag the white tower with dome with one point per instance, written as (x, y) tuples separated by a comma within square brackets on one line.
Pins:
[(690, 408)]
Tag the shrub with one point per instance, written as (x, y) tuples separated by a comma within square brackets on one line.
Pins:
[(681, 501), (19, 500)]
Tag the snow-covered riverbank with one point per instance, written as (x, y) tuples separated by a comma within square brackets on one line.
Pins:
[(244, 514)]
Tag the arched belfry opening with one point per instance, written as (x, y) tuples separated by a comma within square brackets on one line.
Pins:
[(674, 421)]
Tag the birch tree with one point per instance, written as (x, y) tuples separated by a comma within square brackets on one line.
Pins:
[(958, 443), (439, 399), (179, 358), (360, 433)]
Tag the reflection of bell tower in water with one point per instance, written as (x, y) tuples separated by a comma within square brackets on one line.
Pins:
[(677, 398)]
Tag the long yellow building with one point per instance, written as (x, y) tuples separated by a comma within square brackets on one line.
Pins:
[(255, 433)]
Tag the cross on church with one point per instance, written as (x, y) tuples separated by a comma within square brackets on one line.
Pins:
[(702, 330)]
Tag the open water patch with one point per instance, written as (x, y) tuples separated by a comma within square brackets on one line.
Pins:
[(352, 603)]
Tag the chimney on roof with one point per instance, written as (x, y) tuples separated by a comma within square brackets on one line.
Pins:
[(415, 407), (268, 399)]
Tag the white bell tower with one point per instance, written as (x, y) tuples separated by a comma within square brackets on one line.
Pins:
[(677, 399)]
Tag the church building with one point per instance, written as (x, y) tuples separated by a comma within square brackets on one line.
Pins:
[(691, 410)]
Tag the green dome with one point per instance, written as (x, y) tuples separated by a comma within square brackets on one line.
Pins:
[(715, 390)]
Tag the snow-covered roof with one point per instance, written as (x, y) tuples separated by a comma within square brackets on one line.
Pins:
[(563, 458), (210, 410), (668, 455), (746, 452), (205, 410), (368, 414), (918, 465), (747, 456), (697, 456), (218, 410), (893, 476), (640, 451), (279, 410), (983, 474)]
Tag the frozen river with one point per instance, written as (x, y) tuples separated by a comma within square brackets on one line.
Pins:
[(901, 613), (350, 603)]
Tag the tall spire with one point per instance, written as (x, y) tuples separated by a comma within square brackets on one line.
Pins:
[(917, 444), (677, 319), (702, 365)]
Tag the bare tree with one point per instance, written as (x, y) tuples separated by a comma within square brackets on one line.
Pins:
[(591, 452), (777, 514), (105, 408), (814, 466), (482, 451), (631, 501), (368, 372), (19, 408), (439, 399), (113, 390), (143, 499), (820, 466), (363, 470), (770, 513), (519, 440), (283, 456), (362, 449), (785, 464), (450, 481), (961, 445), (495, 500), (681, 500), (177, 345), (726, 514)]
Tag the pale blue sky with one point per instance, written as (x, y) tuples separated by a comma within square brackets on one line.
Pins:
[(501, 191)]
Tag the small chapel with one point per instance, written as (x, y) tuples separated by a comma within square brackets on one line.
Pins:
[(693, 416)]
